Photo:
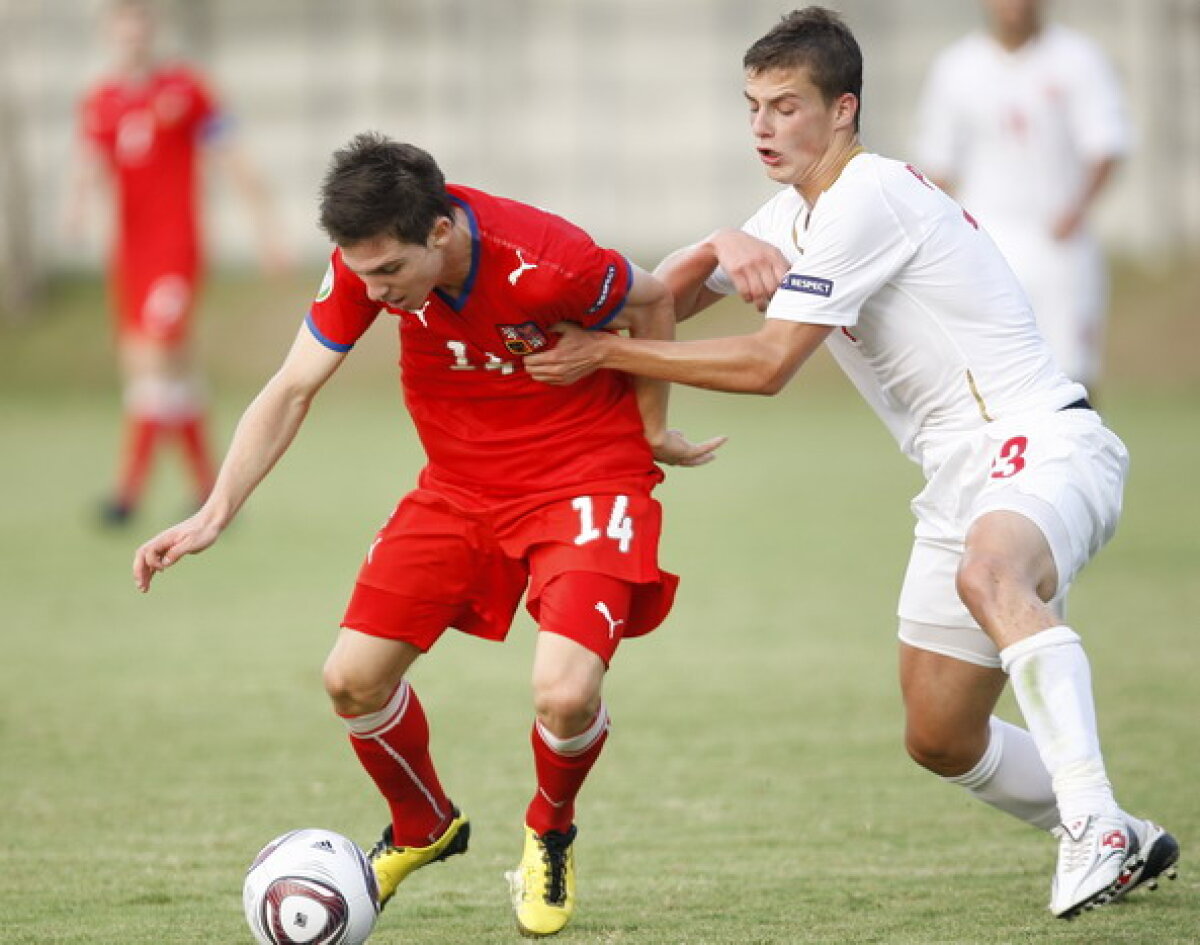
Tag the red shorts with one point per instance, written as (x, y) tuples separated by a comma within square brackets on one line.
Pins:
[(588, 567), (155, 307)]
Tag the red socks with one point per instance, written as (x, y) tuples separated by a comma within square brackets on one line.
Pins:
[(393, 746), (196, 454), (561, 765), (142, 438)]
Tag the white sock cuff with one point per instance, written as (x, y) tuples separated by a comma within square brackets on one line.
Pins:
[(576, 744), (376, 723), (1043, 639), (986, 767)]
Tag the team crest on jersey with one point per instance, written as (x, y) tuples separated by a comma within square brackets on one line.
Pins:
[(812, 285), (525, 338), (326, 289)]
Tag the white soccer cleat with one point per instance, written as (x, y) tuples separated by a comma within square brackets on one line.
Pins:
[(1092, 855), (1155, 853)]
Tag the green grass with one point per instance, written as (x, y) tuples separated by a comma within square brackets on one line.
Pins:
[(755, 790)]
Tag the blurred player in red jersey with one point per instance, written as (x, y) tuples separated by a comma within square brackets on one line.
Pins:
[(143, 131), (528, 489)]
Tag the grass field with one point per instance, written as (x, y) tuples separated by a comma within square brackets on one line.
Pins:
[(755, 790)]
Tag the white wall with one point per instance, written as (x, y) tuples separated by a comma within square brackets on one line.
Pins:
[(625, 115)]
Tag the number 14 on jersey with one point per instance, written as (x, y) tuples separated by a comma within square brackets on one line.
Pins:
[(620, 525)]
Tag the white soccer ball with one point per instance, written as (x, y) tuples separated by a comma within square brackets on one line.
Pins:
[(311, 887)]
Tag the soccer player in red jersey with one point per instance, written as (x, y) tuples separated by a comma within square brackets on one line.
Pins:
[(143, 129), (529, 489)]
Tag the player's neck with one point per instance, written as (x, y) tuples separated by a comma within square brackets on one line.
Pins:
[(1013, 37), (458, 254), (829, 168), (136, 71)]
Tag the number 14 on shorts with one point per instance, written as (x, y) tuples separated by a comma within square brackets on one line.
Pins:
[(620, 525)]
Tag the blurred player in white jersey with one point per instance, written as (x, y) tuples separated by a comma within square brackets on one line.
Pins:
[(1024, 481), (1025, 123)]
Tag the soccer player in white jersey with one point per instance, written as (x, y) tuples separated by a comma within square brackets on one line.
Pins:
[(1025, 123), (1024, 481)]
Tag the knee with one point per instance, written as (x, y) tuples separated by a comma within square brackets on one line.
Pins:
[(566, 706), (945, 754), (353, 692), (981, 580)]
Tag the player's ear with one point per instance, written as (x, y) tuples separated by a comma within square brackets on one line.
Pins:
[(439, 236), (847, 109)]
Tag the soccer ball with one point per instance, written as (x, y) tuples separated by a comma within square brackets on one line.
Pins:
[(311, 887)]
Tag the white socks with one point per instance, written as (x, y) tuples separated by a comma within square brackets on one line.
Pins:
[(1053, 686), (1011, 777)]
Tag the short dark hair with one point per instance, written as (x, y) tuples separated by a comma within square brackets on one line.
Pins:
[(815, 39), (376, 186)]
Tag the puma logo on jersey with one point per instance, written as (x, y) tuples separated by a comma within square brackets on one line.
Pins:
[(420, 313), (604, 612), (522, 265)]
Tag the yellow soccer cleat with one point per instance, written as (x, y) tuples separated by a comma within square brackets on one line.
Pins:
[(543, 884), (392, 864)]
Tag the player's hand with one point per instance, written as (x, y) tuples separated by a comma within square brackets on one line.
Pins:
[(675, 449), (189, 537), (577, 354), (756, 268)]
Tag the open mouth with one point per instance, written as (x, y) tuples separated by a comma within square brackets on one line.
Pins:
[(769, 157)]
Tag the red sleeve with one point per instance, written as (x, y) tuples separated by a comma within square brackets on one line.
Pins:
[(596, 280), (207, 117), (342, 311)]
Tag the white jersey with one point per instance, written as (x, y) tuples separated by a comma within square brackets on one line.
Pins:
[(1018, 130), (934, 330)]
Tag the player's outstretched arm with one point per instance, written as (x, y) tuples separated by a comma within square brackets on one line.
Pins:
[(754, 267), (761, 363), (265, 431)]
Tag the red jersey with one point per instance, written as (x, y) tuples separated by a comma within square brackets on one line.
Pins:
[(149, 135), (487, 428)]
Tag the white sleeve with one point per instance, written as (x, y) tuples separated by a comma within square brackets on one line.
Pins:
[(937, 143), (852, 251), (1096, 106)]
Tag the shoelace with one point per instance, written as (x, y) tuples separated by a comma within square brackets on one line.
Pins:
[(554, 855), (1079, 852), (382, 845)]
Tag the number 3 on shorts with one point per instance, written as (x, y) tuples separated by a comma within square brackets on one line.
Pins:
[(1011, 458), (620, 525)]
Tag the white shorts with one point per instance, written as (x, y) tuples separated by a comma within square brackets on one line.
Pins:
[(1063, 471)]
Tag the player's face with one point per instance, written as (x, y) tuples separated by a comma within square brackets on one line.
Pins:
[(1017, 17), (397, 274), (131, 31), (793, 126)]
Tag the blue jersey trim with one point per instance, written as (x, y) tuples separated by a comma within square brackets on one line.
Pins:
[(458, 303), (327, 342), (620, 305), (217, 128)]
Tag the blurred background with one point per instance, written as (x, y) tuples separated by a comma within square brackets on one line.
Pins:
[(147, 727), (624, 115)]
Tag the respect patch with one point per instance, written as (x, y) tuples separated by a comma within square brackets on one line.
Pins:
[(812, 285)]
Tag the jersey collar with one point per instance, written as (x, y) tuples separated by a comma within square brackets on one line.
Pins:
[(457, 302)]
